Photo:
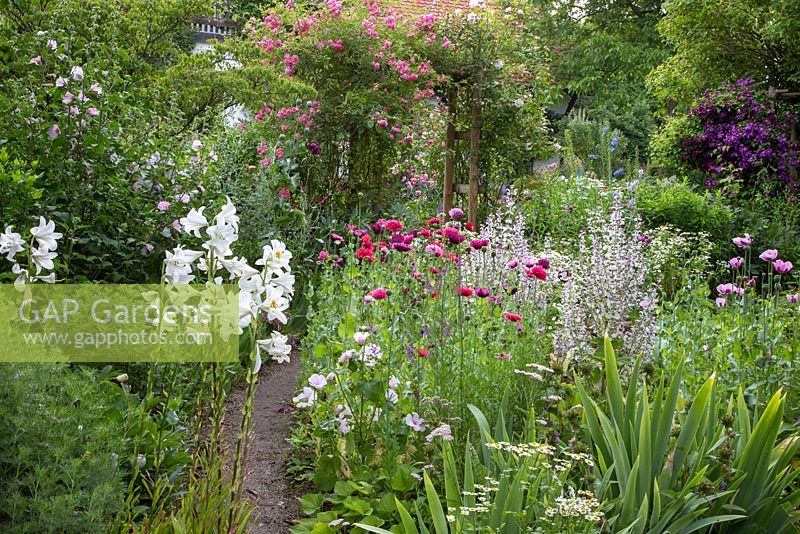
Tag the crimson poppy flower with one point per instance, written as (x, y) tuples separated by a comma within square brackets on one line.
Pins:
[(366, 254), (422, 352), (394, 225), (465, 291), (453, 235), (379, 293), (537, 272), (482, 292), (478, 244), (513, 317)]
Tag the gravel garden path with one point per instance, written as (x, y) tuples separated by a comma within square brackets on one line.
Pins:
[(266, 483)]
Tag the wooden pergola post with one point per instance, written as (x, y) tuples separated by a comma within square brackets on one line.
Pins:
[(474, 154), (449, 157), (473, 135)]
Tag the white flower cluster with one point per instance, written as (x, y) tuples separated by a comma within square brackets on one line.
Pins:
[(583, 504), (524, 449), (266, 292), (607, 291), (44, 241)]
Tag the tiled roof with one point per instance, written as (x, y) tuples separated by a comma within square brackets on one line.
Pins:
[(438, 7)]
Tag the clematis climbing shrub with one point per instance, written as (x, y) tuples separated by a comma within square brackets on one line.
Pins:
[(739, 141)]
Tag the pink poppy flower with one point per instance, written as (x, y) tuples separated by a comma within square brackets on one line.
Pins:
[(379, 293), (769, 255), (725, 289), (736, 263), (743, 242), (782, 267)]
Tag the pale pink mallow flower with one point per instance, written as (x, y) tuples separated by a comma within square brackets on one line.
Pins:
[(416, 422)]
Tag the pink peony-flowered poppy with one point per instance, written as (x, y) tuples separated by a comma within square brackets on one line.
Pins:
[(782, 267), (379, 293), (769, 255)]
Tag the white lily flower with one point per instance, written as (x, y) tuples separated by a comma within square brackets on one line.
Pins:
[(285, 282), (182, 257), (276, 257), (23, 275), (49, 279), (252, 284), (194, 221), (178, 265), (46, 235), (248, 308), (11, 243), (42, 258), (227, 216), (276, 346), (221, 237), (238, 268), (275, 304)]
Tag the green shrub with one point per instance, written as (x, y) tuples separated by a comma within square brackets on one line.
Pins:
[(676, 203), (60, 455)]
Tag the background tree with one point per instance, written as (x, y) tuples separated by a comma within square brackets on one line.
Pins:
[(601, 52), (714, 42)]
